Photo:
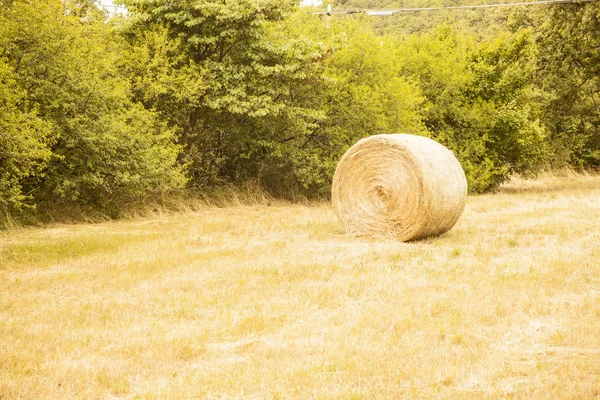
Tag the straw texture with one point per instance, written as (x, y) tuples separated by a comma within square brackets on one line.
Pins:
[(405, 186)]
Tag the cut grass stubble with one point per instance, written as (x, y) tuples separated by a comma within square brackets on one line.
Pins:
[(277, 302)]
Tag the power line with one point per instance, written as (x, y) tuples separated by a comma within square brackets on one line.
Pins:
[(390, 12)]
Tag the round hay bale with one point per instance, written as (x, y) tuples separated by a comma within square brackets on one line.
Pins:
[(405, 186)]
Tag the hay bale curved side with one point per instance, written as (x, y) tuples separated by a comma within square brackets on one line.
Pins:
[(399, 185)]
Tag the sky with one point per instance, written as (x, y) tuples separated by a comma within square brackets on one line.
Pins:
[(305, 3), (107, 3)]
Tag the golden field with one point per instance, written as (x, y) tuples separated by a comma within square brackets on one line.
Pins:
[(274, 301)]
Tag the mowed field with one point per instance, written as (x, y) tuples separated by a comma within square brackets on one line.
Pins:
[(276, 302)]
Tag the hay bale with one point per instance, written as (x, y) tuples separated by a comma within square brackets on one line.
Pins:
[(399, 185)]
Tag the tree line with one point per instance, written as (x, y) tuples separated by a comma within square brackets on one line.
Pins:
[(97, 113)]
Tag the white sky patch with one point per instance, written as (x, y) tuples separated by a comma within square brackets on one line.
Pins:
[(311, 3), (110, 7)]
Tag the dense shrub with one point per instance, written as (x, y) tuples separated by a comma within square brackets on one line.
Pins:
[(97, 113), (86, 141)]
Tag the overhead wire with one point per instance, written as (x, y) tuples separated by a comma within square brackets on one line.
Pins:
[(389, 12)]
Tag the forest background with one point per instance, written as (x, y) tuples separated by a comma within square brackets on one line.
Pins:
[(181, 97)]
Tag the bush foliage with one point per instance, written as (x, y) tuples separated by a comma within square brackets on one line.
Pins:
[(98, 112)]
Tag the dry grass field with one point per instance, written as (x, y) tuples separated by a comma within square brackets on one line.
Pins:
[(276, 302)]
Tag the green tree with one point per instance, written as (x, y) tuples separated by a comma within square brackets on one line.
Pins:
[(363, 93), (479, 98), (569, 73), (105, 149), (24, 140), (229, 77)]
